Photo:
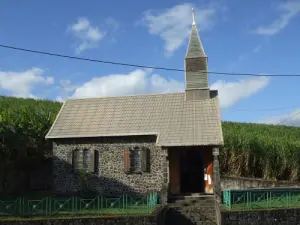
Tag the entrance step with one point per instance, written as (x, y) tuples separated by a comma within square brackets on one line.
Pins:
[(191, 199), (191, 210)]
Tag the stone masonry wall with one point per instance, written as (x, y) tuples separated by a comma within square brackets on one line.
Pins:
[(228, 182), (262, 217), (111, 178), (130, 220)]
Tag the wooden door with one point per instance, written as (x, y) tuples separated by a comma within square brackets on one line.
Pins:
[(174, 165), (208, 177)]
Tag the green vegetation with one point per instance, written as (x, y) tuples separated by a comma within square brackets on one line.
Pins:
[(258, 150), (23, 126), (250, 150), (261, 199), (111, 214)]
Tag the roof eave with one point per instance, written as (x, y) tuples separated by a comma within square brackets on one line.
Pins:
[(220, 143), (56, 118), (106, 135)]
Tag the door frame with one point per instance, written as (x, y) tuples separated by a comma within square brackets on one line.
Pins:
[(174, 158)]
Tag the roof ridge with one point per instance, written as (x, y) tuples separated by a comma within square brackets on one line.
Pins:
[(124, 96)]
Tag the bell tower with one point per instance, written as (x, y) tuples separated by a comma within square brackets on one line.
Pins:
[(196, 76)]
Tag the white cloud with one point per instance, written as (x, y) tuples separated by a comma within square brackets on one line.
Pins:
[(144, 82), (88, 36), (20, 84), (232, 92), (112, 23), (173, 25), (59, 99), (290, 119), (243, 57), (67, 86), (136, 82), (289, 10)]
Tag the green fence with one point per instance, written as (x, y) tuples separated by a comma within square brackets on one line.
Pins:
[(261, 198), (99, 205)]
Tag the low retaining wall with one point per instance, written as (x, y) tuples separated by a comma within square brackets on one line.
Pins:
[(228, 182), (262, 217), (124, 220)]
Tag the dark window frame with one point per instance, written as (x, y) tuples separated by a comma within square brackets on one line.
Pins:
[(139, 160), (75, 159), (96, 169), (85, 159), (135, 160)]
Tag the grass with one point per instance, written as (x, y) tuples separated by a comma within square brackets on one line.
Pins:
[(112, 214), (284, 202), (39, 205), (103, 213)]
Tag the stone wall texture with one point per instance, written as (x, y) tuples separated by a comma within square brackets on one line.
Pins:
[(228, 182), (111, 177), (262, 217), (130, 220)]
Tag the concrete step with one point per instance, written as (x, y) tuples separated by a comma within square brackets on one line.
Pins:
[(192, 205), (190, 197), (198, 209), (206, 223), (196, 221), (203, 200), (201, 217), (193, 202), (195, 210)]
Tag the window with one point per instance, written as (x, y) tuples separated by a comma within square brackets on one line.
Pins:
[(137, 160), (75, 159), (96, 161), (85, 159), (145, 159)]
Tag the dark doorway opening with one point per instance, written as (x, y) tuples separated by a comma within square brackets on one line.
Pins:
[(191, 172)]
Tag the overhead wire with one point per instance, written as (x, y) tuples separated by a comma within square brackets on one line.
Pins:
[(264, 109), (288, 118), (138, 65), (158, 68)]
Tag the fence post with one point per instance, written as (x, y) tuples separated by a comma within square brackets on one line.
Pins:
[(123, 203), (46, 206), (229, 194)]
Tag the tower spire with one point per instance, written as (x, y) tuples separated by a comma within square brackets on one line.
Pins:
[(196, 77), (195, 48)]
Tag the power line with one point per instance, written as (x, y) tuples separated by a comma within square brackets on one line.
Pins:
[(263, 109), (288, 118), (141, 66)]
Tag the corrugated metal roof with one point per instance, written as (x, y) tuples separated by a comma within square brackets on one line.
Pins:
[(176, 122)]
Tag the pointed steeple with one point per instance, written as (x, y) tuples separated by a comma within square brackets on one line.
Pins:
[(195, 48), (196, 76)]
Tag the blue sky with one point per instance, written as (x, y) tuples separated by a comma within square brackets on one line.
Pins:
[(238, 36)]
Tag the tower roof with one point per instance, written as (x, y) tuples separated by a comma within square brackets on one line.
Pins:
[(195, 47)]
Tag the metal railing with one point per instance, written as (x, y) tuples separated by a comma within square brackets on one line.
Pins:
[(99, 205), (261, 198)]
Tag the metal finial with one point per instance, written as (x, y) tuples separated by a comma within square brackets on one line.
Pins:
[(193, 12)]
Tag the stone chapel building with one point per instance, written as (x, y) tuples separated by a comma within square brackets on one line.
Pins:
[(167, 143)]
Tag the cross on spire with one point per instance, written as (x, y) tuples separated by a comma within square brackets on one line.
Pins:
[(193, 13)]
